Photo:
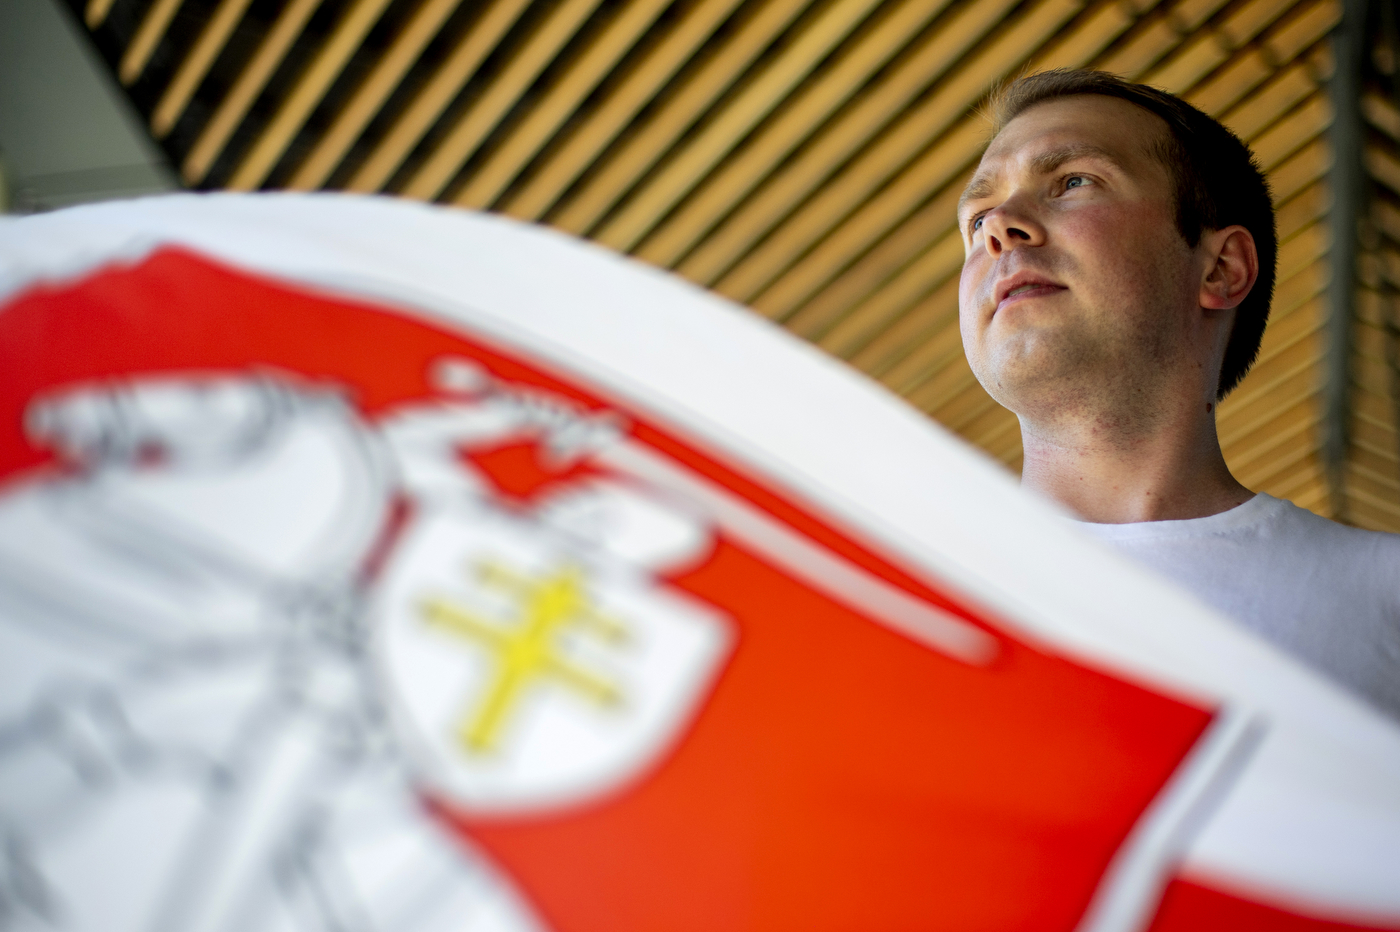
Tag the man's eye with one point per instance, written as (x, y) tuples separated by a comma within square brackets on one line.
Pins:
[(976, 223), (1076, 181)]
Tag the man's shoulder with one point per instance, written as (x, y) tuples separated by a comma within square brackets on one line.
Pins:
[(1265, 541), (1291, 524)]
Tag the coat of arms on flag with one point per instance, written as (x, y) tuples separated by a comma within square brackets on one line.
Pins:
[(531, 664), (472, 586)]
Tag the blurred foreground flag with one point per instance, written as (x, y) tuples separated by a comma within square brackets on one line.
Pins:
[(369, 566)]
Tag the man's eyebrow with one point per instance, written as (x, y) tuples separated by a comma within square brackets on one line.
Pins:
[(1047, 162), (981, 184)]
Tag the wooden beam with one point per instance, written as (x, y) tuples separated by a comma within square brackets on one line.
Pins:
[(95, 14), (559, 103), (498, 98), (565, 165), (388, 72), (485, 112), (631, 161), (858, 327), (212, 39), (1348, 182), (879, 110), (886, 168), (308, 92), (246, 88), (1284, 90), (435, 96), (931, 227), (761, 94), (809, 107), (148, 35)]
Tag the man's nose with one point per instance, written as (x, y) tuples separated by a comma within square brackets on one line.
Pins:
[(1008, 227)]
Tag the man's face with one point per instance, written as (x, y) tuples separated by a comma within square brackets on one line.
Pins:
[(1076, 281)]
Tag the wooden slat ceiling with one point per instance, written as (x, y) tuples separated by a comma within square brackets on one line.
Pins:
[(800, 157)]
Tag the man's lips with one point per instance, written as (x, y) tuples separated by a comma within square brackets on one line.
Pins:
[(1024, 285)]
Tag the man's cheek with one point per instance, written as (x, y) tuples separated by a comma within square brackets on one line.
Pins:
[(972, 286)]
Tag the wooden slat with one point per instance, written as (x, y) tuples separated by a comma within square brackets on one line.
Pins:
[(1300, 170), (1370, 374), (1144, 49), (1287, 425), (993, 428), (949, 383), (1375, 446), (1314, 496), (434, 97), (95, 13), (1387, 217), (759, 97), (793, 123), (964, 407), (1183, 70), (1243, 74), (1381, 114), (1294, 131), (1378, 473), (1362, 487), (1298, 251), (1302, 476), (1293, 434), (1376, 409), (1303, 209), (1283, 332), (1384, 167), (793, 183), (1303, 28), (1258, 403), (632, 160), (1189, 15), (1252, 18), (473, 125), (250, 83), (388, 72), (905, 244), (1290, 466), (192, 69), (1269, 375), (937, 349), (927, 229), (1094, 31), (308, 91), (1373, 516), (1245, 427), (1285, 90), (601, 127), (148, 36), (932, 269), (581, 78)]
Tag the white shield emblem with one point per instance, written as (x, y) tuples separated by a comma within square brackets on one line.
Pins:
[(529, 672)]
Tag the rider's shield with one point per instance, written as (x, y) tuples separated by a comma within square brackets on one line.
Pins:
[(530, 672)]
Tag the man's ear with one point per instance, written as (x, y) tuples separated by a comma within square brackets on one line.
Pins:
[(1233, 267)]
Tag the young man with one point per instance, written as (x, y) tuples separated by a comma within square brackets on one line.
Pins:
[(1120, 255)]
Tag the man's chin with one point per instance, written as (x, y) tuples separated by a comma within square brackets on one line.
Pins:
[(1031, 377)]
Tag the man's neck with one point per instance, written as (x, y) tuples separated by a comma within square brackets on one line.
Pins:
[(1173, 471)]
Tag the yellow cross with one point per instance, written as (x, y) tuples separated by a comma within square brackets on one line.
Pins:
[(527, 651)]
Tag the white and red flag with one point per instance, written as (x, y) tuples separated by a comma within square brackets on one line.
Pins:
[(372, 566)]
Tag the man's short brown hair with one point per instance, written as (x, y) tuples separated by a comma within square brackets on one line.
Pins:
[(1217, 182)]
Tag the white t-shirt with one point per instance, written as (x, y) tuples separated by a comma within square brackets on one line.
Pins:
[(1324, 592)]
